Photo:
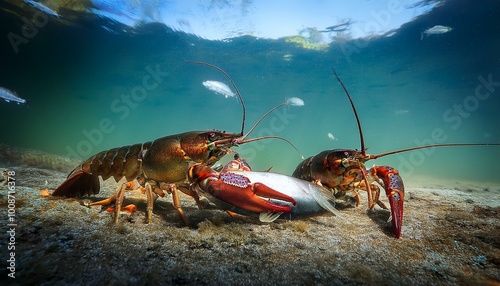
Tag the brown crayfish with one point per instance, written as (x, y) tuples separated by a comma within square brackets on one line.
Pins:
[(160, 166)]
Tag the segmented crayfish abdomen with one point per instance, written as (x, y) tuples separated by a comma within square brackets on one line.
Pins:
[(117, 163)]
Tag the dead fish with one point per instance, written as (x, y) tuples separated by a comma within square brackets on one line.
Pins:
[(9, 96), (41, 7), (294, 101), (219, 87), (436, 30)]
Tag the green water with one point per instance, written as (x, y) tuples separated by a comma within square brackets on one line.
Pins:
[(90, 90)]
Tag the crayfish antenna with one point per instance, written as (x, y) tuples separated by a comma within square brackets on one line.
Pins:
[(235, 88), (269, 137), (294, 101), (369, 157), (261, 118), (363, 150)]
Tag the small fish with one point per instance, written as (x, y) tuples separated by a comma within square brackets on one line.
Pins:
[(295, 101), (219, 87), (330, 135), (9, 96), (401, 111), (338, 28), (436, 30), (41, 7)]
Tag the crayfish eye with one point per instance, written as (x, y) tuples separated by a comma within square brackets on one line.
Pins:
[(212, 136)]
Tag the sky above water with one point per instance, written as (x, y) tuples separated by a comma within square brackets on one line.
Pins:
[(216, 20)]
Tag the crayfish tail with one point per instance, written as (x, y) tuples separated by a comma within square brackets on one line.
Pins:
[(78, 184)]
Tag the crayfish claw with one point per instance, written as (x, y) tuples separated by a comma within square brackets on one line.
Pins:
[(394, 188), (235, 192), (396, 201)]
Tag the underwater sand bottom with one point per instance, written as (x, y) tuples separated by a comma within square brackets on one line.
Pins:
[(450, 235)]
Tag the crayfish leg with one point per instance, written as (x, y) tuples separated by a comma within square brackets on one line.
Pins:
[(119, 201), (194, 195), (375, 190), (117, 197), (358, 198), (150, 200), (177, 203), (233, 215), (104, 202)]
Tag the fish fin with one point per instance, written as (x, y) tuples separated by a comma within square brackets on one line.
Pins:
[(269, 217), (7, 100), (324, 198)]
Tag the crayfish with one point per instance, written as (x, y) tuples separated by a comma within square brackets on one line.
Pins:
[(343, 170), (160, 165)]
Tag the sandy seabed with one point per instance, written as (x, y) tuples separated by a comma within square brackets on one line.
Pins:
[(451, 235)]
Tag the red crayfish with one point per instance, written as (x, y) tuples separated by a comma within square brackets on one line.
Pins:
[(344, 170)]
